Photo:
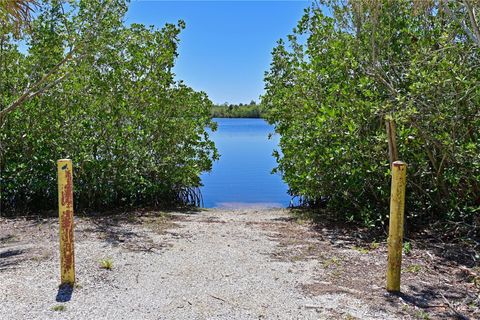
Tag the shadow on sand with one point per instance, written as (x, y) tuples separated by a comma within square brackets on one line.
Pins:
[(64, 293)]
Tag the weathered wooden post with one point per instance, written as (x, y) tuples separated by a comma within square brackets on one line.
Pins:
[(392, 140), (65, 211), (395, 230)]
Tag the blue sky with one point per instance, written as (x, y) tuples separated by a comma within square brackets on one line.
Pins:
[(225, 48)]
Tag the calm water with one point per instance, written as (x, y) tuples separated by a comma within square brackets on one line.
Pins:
[(242, 177)]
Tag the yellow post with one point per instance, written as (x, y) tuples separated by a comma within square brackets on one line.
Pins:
[(65, 211), (395, 230)]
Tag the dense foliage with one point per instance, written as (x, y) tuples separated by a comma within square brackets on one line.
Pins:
[(135, 135), (251, 110), (350, 66)]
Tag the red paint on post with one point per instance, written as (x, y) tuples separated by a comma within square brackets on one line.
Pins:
[(67, 238), (67, 192)]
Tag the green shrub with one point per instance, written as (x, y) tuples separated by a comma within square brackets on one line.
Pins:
[(135, 135), (329, 92)]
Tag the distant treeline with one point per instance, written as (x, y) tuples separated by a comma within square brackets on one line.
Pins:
[(251, 110)]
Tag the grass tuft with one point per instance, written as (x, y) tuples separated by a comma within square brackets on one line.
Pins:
[(106, 264), (414, 268), (360, 249), (59, 308), (407, 248), (422, 315), (374, 245), (331, 262)]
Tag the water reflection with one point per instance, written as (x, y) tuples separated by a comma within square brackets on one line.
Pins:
[(242, 177)]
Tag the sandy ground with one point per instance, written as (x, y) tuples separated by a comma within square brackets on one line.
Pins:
[(210, 264)]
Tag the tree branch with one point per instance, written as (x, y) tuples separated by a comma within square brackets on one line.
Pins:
[(473, 21), (27, 97), (469, 33), (32, 91)]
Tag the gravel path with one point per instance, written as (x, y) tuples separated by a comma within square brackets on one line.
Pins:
[(214, 264)]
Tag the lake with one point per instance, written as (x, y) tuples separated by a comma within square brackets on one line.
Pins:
[(242, 177)]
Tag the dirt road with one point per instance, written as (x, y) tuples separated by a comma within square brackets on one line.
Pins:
[(211, 264)]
